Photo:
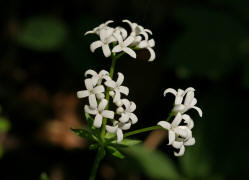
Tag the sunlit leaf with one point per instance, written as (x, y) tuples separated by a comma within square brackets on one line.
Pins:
[(130, 142), (154, 163), (93, 146), (42, 33), (115, 152)]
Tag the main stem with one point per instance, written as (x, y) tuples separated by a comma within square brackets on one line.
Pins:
[(95, 165), (114, 59)]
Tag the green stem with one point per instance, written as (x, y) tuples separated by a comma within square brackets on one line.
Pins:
[(151, 128), (96, 163)]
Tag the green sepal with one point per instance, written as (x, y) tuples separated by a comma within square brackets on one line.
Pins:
[(115, 152), (85, 134)]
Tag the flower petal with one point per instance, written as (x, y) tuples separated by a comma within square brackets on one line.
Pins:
[(124, 90), (116, 96), (189, 97), (179, 108), (126, 103), (177, 120), (95, 45), (143, 44), (133, 118), (124, 118), (169, 90), (132, 106), (108, 114), (152, 54), (98, 89), (198, 110), (89, 84), (100, 95), (172, 137), (193, 102), (120, 79), (97, 121), (177, 144), (130, 52), (90, 72), (181, 152), (129, 40), (188, 121), (151, 42), (125, 126), (190, 142), (111, 129), (106, 50), (117, 49), (164, 124), (119, 135), (102, 105), (90, 111), (183, 131), (92, 101), (82, 94), (110, 83)]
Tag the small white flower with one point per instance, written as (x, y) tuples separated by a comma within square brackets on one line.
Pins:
[(137, 29), (148, 45), (91, 92), (97, 77), (118, 128), (97, 29), (117, 88), (123, 44), (121, 31), (106, 37), (174, 130), (189, 101), (127, 114), (181, 143), (99, 113)]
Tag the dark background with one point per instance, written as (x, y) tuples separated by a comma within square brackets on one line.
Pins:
[(43, 56)]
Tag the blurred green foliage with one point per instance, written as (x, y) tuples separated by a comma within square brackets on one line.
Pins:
[(42, 34), (153, 163)]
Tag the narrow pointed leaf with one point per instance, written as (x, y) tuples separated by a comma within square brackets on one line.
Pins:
[(115, 152), (85, 134)]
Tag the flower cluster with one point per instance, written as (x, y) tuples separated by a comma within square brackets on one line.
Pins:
[(179, 130), (138, 38), (99, 87)]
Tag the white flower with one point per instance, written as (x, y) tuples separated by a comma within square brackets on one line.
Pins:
[(97, 77), (174, 130), (121, 31), (123, 45), (137, 29), (118, 128), (148, 45), (181, 143), (127, 114), (189, 101), (97, 29), (117, 88), (179, 136), (99, 113), (91, 92), (106, 37)]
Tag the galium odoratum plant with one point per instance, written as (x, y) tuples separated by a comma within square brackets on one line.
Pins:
[(109, 112)]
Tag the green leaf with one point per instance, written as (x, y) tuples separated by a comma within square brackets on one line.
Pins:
[(85, 134), (101, 153), (44, 176), (115, 152), (4, 125), (89, 120), (126, 142), (93, 146), (42, 34), (154, 163)]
